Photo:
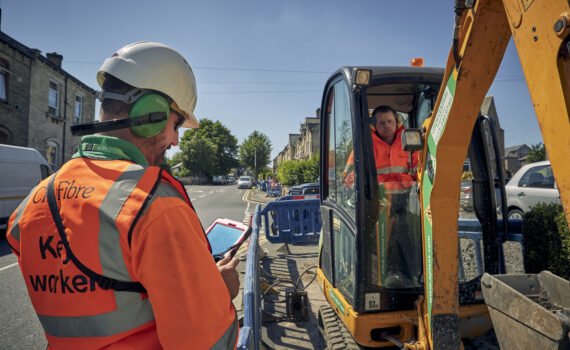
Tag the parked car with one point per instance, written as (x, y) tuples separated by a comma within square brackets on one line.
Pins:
[(466, 196), (230, 180), (307, 191), (21, 169), (532, 184), (245, 182), (218, 180)]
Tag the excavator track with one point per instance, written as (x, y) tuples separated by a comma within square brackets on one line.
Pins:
[(334, 332)]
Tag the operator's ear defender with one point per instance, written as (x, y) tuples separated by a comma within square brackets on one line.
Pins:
[(148, 114)]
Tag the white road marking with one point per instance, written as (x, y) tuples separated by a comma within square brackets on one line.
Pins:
[(244, 198), (8, 266)]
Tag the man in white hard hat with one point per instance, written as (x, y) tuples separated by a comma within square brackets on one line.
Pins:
[(111, 249)]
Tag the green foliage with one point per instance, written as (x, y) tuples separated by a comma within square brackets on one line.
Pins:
[(212, 137), (536, 154), (288, 173), (311, 169), (178, 158), (199, 154), (295, 172), (255, 151), (546, 240), (265, 174)]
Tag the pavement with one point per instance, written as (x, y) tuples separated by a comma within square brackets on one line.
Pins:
[(283, 267)]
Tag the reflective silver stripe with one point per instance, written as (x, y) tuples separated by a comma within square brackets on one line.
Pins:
[(15, 228), (122, 320), (392, 170), (228, 340), (397, 191), (110, 254), (164, 190)]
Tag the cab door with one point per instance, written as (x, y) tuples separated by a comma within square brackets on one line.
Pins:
[(338, 209)]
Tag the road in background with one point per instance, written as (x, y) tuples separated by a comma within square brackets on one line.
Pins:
[(213, 202), (19, 326)]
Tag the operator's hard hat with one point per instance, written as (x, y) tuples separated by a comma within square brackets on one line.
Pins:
[(155, 66)]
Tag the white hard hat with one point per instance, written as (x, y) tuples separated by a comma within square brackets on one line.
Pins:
[(154, 66)]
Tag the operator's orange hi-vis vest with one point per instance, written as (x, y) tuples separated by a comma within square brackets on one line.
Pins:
[(132, 224), (392, 164)]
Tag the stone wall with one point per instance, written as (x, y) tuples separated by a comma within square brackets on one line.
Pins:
[(48, 128), (14, 110)]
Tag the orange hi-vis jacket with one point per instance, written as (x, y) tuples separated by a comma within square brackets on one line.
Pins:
[(392, 164), (130, 223)]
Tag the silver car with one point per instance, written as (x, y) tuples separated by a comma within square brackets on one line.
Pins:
[(532, 184), (245, 182)]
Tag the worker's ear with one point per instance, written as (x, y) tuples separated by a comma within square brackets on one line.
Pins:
[(398, 120)]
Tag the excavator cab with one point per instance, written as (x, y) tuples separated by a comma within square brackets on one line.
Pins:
[(370, 253), (371, 257)]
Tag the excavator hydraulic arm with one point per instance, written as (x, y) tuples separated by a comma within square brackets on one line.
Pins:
[(483, 28)]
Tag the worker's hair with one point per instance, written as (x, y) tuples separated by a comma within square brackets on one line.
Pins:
[(385, 109), (113, 107)]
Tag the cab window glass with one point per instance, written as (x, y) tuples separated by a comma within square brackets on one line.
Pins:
[(344, 251), (424, 111), (342, 152)]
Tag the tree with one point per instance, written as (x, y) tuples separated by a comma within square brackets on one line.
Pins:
[(198, 154), (536, 154), (289, 173), (311, 169), (177, 158), (224, 151), (226, 145), (255, 152), (295, 172)]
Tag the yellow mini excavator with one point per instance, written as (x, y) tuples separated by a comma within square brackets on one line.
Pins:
[(391, 269)]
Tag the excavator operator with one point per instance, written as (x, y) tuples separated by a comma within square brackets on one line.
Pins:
[(397, 180), (396, 173)]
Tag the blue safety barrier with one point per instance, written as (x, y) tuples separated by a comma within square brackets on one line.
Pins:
[(250, 332), (293, 221), (273, 190)]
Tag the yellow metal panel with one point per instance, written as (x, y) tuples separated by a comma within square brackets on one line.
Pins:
[(545, 63), (482, 48)]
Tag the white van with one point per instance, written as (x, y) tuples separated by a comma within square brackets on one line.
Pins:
[(21, 169)]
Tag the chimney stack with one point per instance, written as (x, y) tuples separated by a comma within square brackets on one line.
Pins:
[(55, 58)]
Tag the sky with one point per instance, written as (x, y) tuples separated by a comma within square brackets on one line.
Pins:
[(262, 64)]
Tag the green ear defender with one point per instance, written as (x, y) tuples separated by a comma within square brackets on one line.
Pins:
[(145, 105)]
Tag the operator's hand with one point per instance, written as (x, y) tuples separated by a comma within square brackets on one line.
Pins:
[(227, 267)]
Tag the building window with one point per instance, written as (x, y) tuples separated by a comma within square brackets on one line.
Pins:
[(78, 111), (51, 154), (3, 80), (53, 98)]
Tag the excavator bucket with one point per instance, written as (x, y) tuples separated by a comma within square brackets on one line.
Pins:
[(530, 311)]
